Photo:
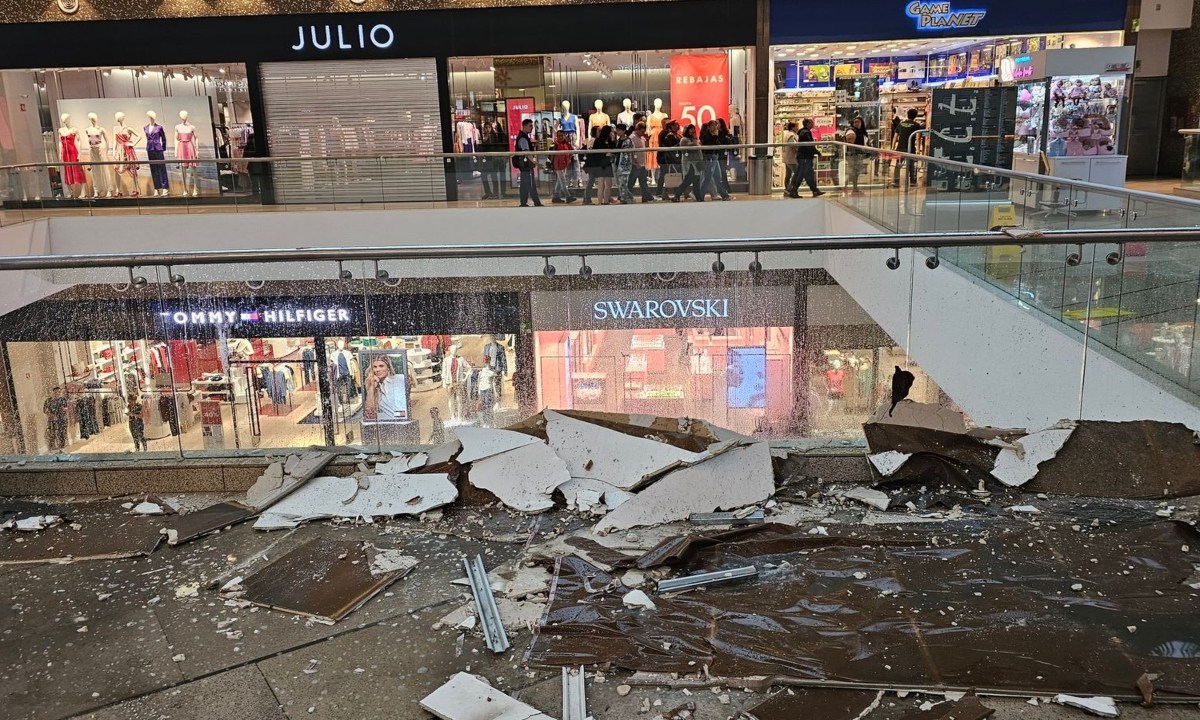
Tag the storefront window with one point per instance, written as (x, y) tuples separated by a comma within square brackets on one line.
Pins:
[(577, 92), (106, 114)]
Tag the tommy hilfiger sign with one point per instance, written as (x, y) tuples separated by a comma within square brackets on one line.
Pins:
[(270, 315), (343, 37)]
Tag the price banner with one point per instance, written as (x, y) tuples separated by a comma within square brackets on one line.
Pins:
[(699, 88)]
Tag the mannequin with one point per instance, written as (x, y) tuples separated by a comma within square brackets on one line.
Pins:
[(125, 139), (345, 370), (834, 384), (97, 153), (185, 149), (68, 151), (569, 124), (455, 372), (654, 126), (495, 357), (598, 118), (626, 115), (735, 121), (156, 147)]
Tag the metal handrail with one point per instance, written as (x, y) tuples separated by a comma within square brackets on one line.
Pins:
[(612, 247), (1181, 202)]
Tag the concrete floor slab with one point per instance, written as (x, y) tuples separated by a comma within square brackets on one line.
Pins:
[(235, 695)]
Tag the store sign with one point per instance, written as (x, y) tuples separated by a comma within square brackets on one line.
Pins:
[(699, 88), (212, 427), (661, 309), (275, 316), (942, 16), (910, 70), (664, 308), (343, 37)]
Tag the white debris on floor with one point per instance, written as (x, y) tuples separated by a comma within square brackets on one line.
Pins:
[(522, 478), (887, 463), (742, 476), (613, 457), (1015, 467), (1102, 706), (638, 599), (469, 697), (479, 443), (386, 496), (874, 498)]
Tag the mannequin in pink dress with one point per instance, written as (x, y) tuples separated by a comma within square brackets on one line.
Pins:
[(186, 150), (73, 177), (125, 139)]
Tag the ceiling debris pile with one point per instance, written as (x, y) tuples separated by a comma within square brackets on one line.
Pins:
[(669, 568)]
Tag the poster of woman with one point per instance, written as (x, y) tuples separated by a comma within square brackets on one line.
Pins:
[(385, 386)]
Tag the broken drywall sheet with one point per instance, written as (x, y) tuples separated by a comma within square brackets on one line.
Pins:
[(401, 464), (386, 496), (280, 480), (468, 697), (479, 443), (742, 476), (389, 560), (579, 493), (32, 523), (323, 579), (923, 415), (1102, 706), (875, 498), (443, 453), (888, 462), (596, 452), (522, 479), (1017, 468), (202, 522)]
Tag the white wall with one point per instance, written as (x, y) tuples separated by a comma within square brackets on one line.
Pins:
[(1004, 365)]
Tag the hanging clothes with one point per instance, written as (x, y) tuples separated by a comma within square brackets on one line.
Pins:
[(166, 408), (85, 410), (309, 358), (56, 422)]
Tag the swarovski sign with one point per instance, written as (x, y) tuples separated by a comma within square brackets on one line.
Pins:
[(343, 37), (661, 309)]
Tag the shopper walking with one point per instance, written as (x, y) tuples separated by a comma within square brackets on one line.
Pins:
[(624, 164), (856, 136), (604, 163), (902, 141), (561, 164), (492, 168), (806, 159), (693, 165), (668, 156), (710, 138), (639, 175), (525, 161), (791, 178), (727, 139), (591, 166)]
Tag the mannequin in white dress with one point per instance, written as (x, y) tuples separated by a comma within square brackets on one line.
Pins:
[(97, 139), (626, 115)]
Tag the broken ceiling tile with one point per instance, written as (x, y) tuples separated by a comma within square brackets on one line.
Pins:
[(522, 478), (1017, 468), (479, 443), (888, 462), (100, 530), (742, 476), (599, 453), (33, 523), (468, 697), (1102, 706), (323, 579), (403, 463), (576, 489), (637, 599), (387, 496), (382, 561), (202, 522), (278, 481), (148, 508), (444, 453), (1025, 509), (922, 415), (875, 498), (817, 704)]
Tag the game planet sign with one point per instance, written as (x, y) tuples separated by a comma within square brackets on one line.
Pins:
[(941, 16)]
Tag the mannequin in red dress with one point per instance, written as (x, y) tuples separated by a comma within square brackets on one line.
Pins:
[(73, 177)]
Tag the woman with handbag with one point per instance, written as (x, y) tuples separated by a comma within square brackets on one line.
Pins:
[(668, 157), (693, 166), (603, 164)]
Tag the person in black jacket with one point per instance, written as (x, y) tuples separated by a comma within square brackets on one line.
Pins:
[(727, 138), (710, 137), (807, 156), (525, 161), (668, 158)]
